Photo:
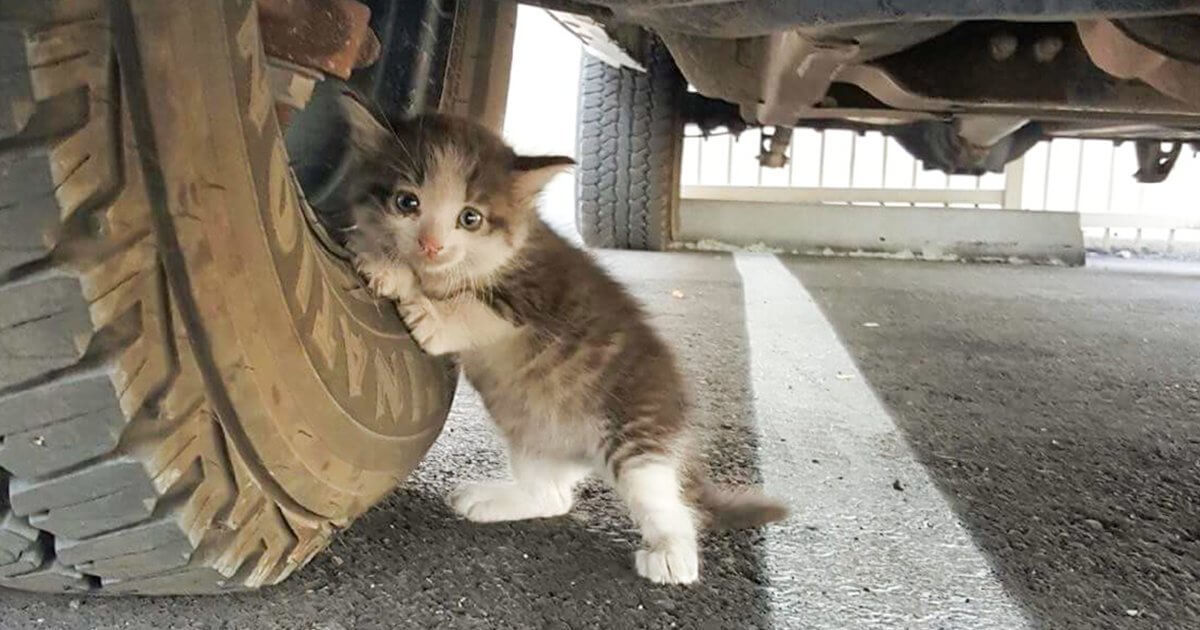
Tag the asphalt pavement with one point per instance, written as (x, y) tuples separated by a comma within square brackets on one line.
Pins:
[(964, 447)]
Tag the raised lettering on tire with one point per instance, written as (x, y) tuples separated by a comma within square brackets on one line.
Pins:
[(192, 396)]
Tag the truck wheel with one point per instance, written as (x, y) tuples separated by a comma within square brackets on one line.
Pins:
[(629, 146), (194, 395)]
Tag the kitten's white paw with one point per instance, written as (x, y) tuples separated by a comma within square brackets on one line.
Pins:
[(673, 562), (422, 322), (389, 280), (489, 501), (496, 501)]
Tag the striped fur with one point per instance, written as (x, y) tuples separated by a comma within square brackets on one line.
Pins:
[(576, 380)]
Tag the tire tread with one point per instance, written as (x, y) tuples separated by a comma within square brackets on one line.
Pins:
[(628, 143), (115, 475)]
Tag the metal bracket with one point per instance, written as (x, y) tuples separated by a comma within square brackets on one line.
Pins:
[(1155, 164), (305, 40), (332, 36), (773, 148), (598, 40), (798, 74)]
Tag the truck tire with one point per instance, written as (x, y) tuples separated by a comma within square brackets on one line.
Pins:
[(193, 395), (629, 143)]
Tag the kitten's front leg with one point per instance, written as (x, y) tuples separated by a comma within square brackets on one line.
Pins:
[(425, 318), (438, 326), (454, 325), (426, 322), (388, 279)]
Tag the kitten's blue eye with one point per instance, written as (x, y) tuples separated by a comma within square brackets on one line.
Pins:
[(470, 219), (406, 202)]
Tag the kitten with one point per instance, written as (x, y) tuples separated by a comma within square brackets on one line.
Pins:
[(574, 378)]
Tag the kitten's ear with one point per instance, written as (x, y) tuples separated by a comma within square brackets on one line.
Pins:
[(366, 132), (532, 173)]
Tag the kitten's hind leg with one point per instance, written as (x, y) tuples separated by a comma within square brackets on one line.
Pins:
[(654, 494), (542, 488)]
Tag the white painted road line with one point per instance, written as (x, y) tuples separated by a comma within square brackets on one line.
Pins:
[(857, 552)]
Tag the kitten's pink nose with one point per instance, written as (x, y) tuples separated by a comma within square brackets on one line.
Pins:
[(430, 246)]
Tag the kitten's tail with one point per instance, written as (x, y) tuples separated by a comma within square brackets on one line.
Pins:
[(729, 507)]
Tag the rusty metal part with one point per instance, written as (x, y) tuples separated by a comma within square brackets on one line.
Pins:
[(729, 19), (775, 78), (1129, 104), (1123, 57), (1003, 45), (774, 147), (725, 69), (1155, 163), (618, 46), (955, 70), (1118, 131), (985, 131), (797, 74), (1047, 48), (955, 73), (331, 36), (865, 118), (939, 146)]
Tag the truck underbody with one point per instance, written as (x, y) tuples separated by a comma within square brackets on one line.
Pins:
[(965, 87)]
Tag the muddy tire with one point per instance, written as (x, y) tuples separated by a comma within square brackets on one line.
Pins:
[(193, 395), (629, 144)]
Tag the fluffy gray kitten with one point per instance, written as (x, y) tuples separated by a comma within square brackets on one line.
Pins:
[(578, 383)]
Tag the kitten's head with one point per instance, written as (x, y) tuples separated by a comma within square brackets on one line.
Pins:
[(443, 195)]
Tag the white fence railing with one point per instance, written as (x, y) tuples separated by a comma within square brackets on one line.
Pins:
[(1090, 177)]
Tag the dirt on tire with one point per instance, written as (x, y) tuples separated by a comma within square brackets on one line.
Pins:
[(194, 395)]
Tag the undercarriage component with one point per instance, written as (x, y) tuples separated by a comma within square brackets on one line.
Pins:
[(986, 131), (959, 80), (1002, 45), (931, 70), (797, 74), (776, 78), (1174, 36), (1120, 55), (773, 148), (330, 36), (618, 46), (1155, 163), (957, 99), (729, 19), (939, 146), (1047, 48), (305, 40), (957, 73), (710, 114)]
